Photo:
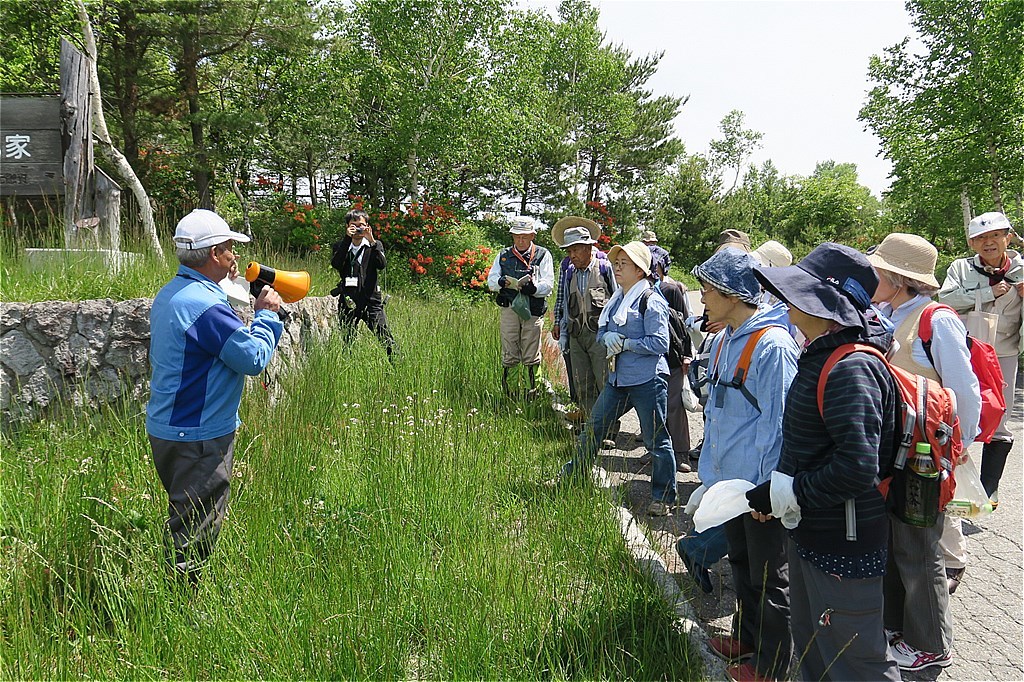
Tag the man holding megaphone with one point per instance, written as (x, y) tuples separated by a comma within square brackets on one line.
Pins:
[(358, 258), (200, 353)]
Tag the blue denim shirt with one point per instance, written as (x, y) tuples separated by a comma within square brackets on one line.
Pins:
[(741, 441), (643, 352)]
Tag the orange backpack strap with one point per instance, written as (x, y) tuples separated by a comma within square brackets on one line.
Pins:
[(743, 366), (837, 355)]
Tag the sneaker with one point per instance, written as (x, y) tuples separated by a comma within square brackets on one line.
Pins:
[(658, 508), (729, 648), (953, 578), (745, 672), (892, 636), (909, 658), (576, 416), (682, 466), (607, 444)]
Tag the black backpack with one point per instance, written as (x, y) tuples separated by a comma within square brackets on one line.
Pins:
[(679, 345)]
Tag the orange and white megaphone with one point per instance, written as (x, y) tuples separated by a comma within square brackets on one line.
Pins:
[(293, 286)]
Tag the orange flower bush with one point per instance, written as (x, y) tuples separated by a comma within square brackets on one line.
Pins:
[(470, 268)]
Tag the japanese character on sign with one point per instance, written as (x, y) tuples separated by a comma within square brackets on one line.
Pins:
[(16, 146)]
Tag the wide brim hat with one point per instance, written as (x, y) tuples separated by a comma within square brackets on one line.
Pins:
[(202, 229), (734, 238), (731, 271), (772, 254), (563, 224), (636, 252), (575, 236), (649, 236), (523, 225), (833, 282), (987, 222), (909, 255)]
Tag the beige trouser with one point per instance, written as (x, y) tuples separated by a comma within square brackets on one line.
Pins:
[(520, 339), (589, 363)]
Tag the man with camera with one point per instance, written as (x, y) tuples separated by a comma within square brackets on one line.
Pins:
[(359, 258), (200, 353)]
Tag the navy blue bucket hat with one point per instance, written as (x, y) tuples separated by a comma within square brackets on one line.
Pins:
[(833, 282), (731, 271)]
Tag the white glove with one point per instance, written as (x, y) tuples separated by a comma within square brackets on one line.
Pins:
[(613, 342), (694, 501)]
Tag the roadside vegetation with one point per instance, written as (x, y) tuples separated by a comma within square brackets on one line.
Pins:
[(384, 523)]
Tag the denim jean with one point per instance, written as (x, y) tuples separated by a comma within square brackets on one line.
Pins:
[(651, 402), (705, 548)]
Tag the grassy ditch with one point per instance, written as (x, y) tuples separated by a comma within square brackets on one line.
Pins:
[(385, 523)]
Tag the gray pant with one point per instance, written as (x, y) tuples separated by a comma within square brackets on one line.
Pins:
[(757, 555), (197, 478), (676, 418), (589, 366), (837, 625), (916, 591)]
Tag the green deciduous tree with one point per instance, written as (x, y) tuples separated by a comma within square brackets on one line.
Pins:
[(951, 116)]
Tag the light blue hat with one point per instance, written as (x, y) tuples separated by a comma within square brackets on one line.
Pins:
[(731, 271)]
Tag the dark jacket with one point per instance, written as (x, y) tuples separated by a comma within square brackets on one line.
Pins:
[(367, 291), (839, 457)]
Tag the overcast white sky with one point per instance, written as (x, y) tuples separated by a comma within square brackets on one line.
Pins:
[(796, 68)]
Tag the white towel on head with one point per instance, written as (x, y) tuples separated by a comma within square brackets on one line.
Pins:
[(625, 303)]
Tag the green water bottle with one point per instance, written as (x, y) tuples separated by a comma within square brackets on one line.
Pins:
[(922, 488)]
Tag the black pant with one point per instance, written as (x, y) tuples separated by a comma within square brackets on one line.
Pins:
[(197, 478), (374, 317), (760, 575)]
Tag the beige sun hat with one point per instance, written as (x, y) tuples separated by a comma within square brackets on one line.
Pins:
[(909, 255), (772, 254), (649, 237), (638, 252), (563, 224)]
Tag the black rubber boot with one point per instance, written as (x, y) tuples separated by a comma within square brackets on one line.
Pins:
[(504, 381), (533, 381), (993, 460)]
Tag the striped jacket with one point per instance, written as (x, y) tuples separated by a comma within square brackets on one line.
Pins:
[(838, 458), (200, 353)]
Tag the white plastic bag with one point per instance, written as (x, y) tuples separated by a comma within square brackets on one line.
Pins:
[(691, 403), (969, 501), (722, 502)]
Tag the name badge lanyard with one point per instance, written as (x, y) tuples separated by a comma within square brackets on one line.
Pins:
[(528, 263)]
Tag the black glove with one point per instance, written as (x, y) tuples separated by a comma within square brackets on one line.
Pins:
[(760, 498), (529, 288), (502, 281)]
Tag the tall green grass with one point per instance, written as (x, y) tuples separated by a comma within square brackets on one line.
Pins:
[(385, 523)]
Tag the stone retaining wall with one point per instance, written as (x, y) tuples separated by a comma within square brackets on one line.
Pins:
[(96, 352)]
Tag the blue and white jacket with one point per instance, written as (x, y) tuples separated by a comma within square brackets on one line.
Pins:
[(200, 352), (742, 441)]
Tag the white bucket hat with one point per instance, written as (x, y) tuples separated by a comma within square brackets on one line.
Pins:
[(772, 254), (201, 229), (523, 225), (636, 252), (909, 255), (576, 235)]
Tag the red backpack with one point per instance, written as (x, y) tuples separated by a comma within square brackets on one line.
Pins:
[(985, 364), (927, 413)]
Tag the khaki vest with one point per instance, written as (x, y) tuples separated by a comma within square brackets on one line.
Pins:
[(906, 333), (585, 306)]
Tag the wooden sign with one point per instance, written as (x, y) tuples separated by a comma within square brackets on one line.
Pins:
[(31, 152)]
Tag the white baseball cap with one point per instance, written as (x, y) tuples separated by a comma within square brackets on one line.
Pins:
[(987, 222), (202, 228)]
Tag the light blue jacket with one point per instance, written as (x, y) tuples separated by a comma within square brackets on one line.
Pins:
[(643, 352), (200, 353), (740, 440)]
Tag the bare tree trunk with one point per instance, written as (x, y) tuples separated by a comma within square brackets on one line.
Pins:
[(965, 205), (189, 67), (103, 135), (522, 202), (242, 201), (412, 164), (311, 176)]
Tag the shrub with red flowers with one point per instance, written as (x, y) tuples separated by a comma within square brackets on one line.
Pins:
[(470, 268), (288, 225), (411, 230), (166, 177), (600, 214), (420, 264)]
